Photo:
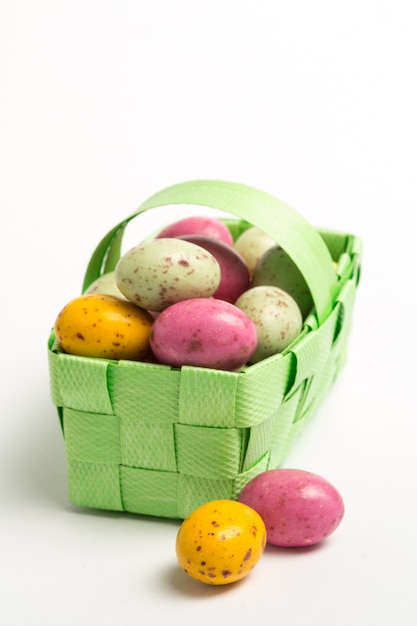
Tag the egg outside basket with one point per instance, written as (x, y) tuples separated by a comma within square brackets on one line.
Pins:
[(150, 439)]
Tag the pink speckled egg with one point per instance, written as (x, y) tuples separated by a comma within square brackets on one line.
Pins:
[(198, 225), (203, 332), (299, 508)]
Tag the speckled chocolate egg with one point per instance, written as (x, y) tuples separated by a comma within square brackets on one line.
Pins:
[(276, 268), (198, 225), (276, 316), (299, 508), (203, 332), (234, 272), (102, 326), (252, 244), (106, 284), (220, 542), (160, 272)]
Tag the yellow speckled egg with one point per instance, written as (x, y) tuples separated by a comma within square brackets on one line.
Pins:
[(220, 542), (97, 325)]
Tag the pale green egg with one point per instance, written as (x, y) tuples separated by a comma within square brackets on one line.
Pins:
[(276, 268), (161, 272)]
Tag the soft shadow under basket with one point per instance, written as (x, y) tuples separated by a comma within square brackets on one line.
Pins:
[(150, 439)]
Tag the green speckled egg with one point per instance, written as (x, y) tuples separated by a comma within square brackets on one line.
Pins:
[(276, 268), (161, 272)]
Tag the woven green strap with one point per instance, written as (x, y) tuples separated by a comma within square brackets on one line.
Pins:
[(294, 234)]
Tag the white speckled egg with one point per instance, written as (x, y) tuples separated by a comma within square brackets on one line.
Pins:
[(276, 268), (252, 244), (160, 272), (276, 316)]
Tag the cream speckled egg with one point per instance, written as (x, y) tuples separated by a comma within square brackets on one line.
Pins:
[(105, 284), (252, 244), (160, 272), (276, 316)]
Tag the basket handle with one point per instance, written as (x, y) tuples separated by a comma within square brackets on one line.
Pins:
[(294, 234)]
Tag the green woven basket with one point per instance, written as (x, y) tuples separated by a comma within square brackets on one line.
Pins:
[(155, 440)]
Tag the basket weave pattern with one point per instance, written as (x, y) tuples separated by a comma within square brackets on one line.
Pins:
[(150, 439)]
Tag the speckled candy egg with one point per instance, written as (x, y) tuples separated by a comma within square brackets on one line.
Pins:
[(106, 284), (276, 316), (220, 542), (299, 508), (276, 268), (252, 244), (234, 272), (102, 326), (203, 332), (198, 225), (160, 272)]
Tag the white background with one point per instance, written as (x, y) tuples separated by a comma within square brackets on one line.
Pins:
[(104, 103)]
